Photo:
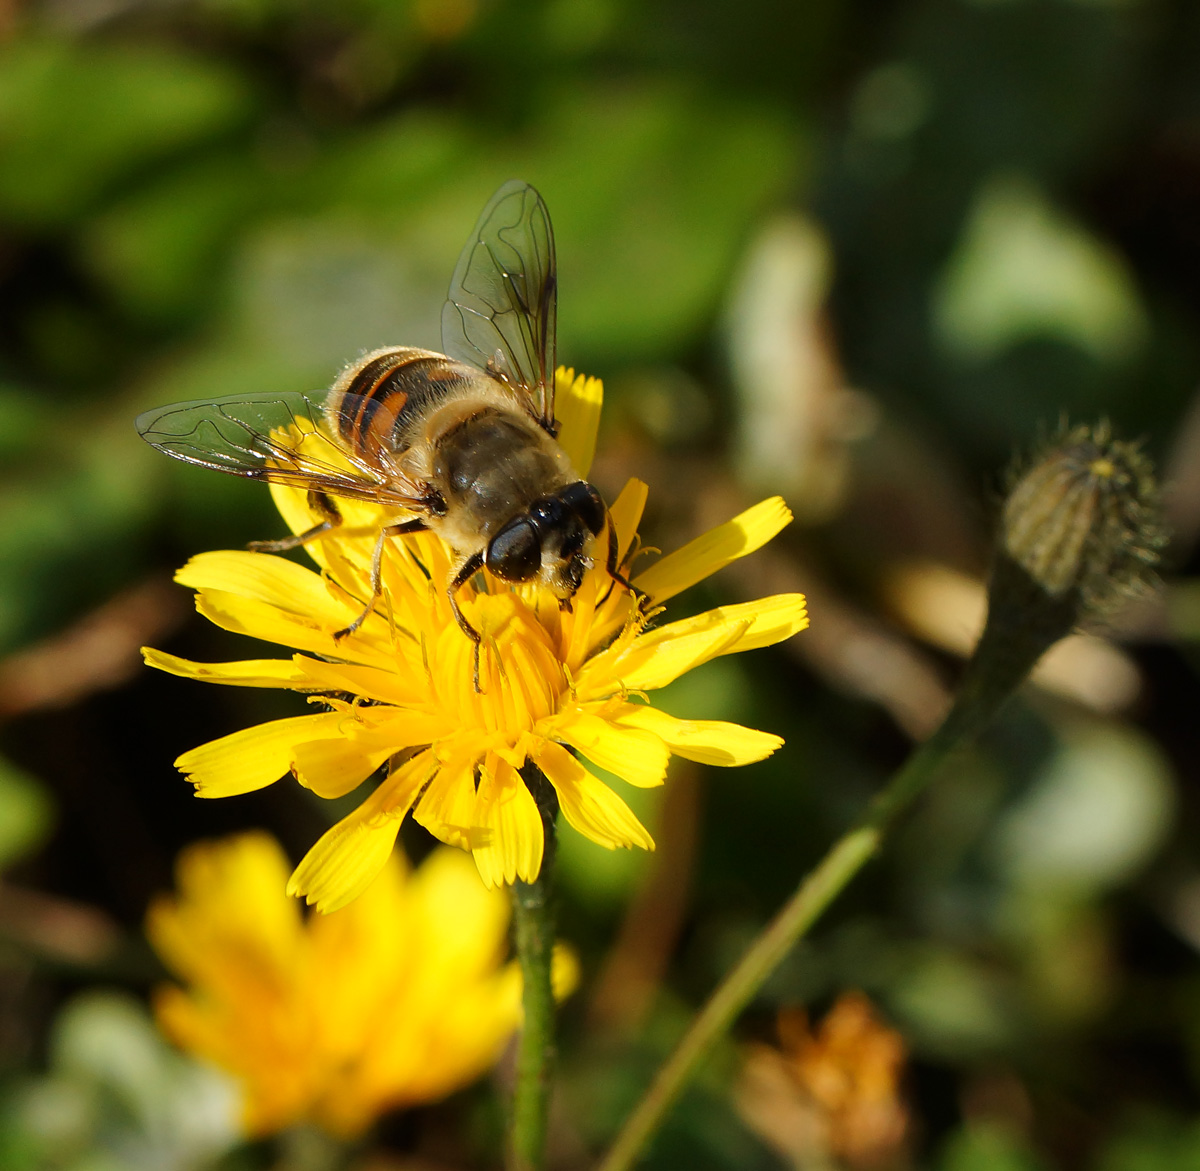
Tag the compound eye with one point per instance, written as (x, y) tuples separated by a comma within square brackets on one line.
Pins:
[(548, 511), (515, 552), (587, 504)]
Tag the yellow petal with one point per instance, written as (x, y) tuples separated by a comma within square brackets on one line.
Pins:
[(564, 971), (513, 838), (254, 757), (650, 662), (186, 1023), (333, 768), (233, 888), (705, 741), (769, 620), (344, 862), (361, 522), (447, 807), (264, 578), (660, 656), (714, 550), (267, 622), (248, 673), (393, 685), (590, 806), (312, 633), (292, 505), (271, 598), (635, 755), (348, 857), (626, 514), (446, 889), (577, 403)]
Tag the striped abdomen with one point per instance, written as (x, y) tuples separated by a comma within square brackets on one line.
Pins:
[(374, 404)]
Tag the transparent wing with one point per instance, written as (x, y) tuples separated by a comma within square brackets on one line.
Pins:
[(281, 438), (500, 314)]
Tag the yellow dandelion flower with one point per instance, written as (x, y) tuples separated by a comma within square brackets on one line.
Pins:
[(558, 687), (336, 1018)]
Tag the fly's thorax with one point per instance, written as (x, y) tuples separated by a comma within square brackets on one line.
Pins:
[(492, 466)]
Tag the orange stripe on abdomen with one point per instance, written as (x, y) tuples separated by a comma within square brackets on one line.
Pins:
[(374, 407)]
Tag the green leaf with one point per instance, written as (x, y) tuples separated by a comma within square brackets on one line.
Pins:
[(1154, 1143), (987, 1147), (650, 216), (26, 813), (1024, 269), (74, 118), (161, 249)]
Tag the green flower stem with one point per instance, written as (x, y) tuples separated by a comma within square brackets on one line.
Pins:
[(1002, 659), (308, 1148), (533, 920)]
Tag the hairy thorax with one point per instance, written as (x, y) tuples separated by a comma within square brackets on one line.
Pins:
[(489, 462)]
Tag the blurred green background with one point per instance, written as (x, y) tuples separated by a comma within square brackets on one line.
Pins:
[(854, 251)]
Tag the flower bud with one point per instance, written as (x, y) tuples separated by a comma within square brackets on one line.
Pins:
[(1084, 519), (1081, 529)]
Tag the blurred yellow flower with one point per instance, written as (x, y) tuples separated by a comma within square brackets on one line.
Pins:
[(335, 1019), (399, 690)]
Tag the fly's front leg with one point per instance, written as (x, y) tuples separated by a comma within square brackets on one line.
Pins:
[(396, 530), (467, 570), (321, 504), (610, 567)]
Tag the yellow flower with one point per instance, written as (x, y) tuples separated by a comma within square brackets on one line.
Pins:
[(337, 1018), (399, 691)]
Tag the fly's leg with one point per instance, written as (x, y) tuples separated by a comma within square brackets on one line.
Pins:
[(397, 530), (615, 575), (467, 570), (321, 504)]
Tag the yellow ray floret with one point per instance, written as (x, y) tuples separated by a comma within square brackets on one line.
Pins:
[(560, 689), (334, 1019)]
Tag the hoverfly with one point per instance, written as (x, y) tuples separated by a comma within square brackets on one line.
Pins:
[(462, 443)]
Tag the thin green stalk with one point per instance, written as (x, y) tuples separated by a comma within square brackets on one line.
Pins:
[(1000, 662), (533, 921), (308, 1148)]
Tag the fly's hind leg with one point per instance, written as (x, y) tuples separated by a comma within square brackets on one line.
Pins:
[(321, 504), (467, 570), (397, 530)]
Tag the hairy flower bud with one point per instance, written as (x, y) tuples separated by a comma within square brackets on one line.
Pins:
[(1084, 519), (1080, 529)]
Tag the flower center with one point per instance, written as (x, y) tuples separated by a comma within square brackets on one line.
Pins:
[(520, 676)]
